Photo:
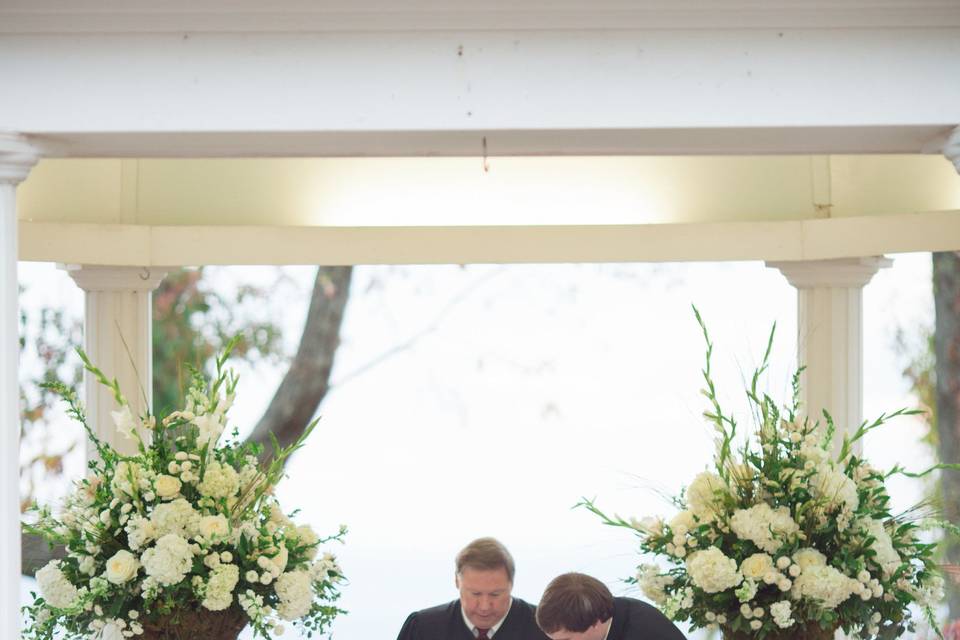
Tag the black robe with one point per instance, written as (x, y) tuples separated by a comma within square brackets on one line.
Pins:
[(636, 620), (445, 622)]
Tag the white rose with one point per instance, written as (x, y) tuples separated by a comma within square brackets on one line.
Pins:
[(809, 557), (214, 526), (168, 487), (756, 566), (122, 567)]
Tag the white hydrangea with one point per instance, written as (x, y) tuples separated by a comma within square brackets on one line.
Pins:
[(54, 586), (712, 571), (835, 489), (782, 614), (177, 517), (169, 561), (219, 588), (886, 556), (765, 527), (219, 481), (702, 495), (825, 585), (295, 593)]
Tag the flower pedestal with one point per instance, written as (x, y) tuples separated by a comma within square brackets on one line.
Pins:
[(809, 631), (197, 625)]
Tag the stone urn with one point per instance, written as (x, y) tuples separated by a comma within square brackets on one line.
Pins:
[(197, 625)]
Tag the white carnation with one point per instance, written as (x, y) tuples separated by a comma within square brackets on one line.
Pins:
[(295, 593), (169, 561), (219, 481), (712, 571), (219, 588), (765, 527), (54, 586)]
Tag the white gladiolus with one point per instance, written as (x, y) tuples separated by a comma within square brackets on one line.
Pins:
[(124, 421), (56, 589)]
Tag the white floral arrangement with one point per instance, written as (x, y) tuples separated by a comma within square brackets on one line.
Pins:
[(786, 535), (187, 525)]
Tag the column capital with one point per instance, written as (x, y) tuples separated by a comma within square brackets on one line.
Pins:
[(951, 148), (837, 272), (17, 157), (108, 278)]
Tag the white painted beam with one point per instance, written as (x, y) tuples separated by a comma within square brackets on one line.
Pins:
[(175, 245), (527, 92), (16, 160)]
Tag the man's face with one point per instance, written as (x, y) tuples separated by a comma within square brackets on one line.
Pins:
[(597, 632), (484, 595)]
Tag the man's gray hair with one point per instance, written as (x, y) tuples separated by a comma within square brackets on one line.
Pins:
[(485, 554)]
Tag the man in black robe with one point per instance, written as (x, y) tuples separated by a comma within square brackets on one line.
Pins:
[(578, 607), (485, 609)]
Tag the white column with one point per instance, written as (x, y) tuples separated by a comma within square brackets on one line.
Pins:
[(17, 157), (117, 335), (830, 334)]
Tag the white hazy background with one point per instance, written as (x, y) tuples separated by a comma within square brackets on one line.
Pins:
[(488, 399)]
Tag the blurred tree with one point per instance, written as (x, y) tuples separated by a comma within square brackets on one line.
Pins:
[(933, 369)]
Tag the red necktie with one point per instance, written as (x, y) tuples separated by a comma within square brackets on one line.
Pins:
[(482, 634)]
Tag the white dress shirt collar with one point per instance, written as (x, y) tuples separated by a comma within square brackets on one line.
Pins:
[(492, 630)]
